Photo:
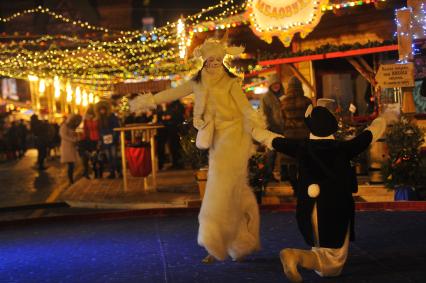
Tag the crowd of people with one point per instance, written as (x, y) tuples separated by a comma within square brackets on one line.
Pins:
[(97, 142), (17, 136), (91, 138)]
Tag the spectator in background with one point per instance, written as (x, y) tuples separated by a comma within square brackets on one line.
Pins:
[(293, 108), (173, 118), (51, 133), (271, 108), (189, 108), (12, 141), (161, 136), (107, 121), (56, 142), (2, 141), (22, 138), (68, 149), (39, 130), (90, 139)]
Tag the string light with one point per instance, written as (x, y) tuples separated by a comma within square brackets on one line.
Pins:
[(42, 86), (41, 10), (181, 35), (91, 98), (85, 98), (406, 50), (32, 78), (57, 86), (349, 4), (68, 89), (419, 22), (96, 65), (77, 95)]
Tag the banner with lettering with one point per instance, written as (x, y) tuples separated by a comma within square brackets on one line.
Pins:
[(284, 18)]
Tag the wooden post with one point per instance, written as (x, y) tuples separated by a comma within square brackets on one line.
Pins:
[(301, 77), (314, 83), (153, 161), (365, 64), (369, 76), (123, 159), (148, 131)]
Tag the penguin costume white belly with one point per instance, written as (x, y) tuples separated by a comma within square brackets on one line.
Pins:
[(325, 206)]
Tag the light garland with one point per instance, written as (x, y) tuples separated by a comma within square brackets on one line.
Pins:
[(124, 57), (89, 68), (348, 4), (41, 10), (181, 35), (77, 95), (57, 86), (69, 92), (419, 24)]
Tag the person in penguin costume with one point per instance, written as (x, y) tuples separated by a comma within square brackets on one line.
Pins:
[(325, 206)]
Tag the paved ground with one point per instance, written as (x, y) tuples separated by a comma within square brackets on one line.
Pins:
[(390, 247), (22, 184), (174, 189)]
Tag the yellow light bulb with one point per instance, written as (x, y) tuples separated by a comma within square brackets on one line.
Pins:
[(32, 78), (42, 86), (57, 86), (78, 96), (91, 98), (85, 100)]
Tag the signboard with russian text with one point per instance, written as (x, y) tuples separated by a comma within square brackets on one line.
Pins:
[(284, 18), (395, 75)]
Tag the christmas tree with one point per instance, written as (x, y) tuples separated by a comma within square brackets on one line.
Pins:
[(192, 155), (404, 167)]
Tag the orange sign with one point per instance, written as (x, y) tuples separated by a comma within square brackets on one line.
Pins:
[(284, 18)]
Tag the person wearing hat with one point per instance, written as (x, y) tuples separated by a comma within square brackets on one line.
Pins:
[(224, 118), (325, 206), (271, 108), (293, 107), (68, 147)]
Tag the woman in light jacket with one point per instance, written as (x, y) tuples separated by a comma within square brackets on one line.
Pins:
[(69, 138), (229, 216)]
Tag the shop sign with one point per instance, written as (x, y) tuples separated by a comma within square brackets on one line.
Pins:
[(284, 18), (395, 75)]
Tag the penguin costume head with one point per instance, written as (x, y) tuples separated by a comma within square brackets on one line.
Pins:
[(320, 121)]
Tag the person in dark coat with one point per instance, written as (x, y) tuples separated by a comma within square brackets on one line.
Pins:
[(271, 108), (39, 130), (161, 137), (325, 206), (173, 117), (107, 121), (293, 107), (12, 140), (22, 138)]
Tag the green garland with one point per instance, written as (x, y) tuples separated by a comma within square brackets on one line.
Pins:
[(326, 48)]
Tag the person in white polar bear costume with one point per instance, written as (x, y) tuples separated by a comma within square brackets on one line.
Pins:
[(229, 215)]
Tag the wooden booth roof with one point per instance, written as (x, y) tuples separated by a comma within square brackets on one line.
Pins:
[(358, 27)]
